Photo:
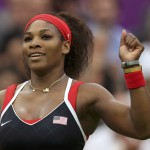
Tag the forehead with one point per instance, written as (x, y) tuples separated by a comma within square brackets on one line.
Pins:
[(40, 25)]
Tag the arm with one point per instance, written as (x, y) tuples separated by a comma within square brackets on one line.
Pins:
[(137, 117), (130, 121), (2, 94), (99, 103), (130, 50)]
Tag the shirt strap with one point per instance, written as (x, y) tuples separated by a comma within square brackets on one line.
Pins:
[(72, 96)]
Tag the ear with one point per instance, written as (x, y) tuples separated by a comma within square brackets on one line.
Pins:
[(65, 47)]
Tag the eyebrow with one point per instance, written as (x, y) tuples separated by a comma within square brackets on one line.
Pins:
[(41, 31)]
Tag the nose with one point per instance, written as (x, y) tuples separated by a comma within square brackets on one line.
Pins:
[(34, 44)]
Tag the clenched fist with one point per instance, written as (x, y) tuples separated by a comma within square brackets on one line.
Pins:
[(130, 47)]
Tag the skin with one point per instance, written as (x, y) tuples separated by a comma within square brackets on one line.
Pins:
[(93, 101)]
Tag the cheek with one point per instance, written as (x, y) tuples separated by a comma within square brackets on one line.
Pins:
[(54, 56), (54, 49), (24, 47), (54, 53)]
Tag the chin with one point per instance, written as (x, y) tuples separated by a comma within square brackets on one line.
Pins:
[(38, 68)]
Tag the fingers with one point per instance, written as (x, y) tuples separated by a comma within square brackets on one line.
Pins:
[(132, 42), (122, 41)]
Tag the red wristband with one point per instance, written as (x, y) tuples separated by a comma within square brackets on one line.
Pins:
[(134, 80)]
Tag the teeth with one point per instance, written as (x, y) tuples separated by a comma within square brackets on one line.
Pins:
[(36, 55)]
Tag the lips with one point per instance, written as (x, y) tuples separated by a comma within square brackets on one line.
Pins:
[(36, 54)]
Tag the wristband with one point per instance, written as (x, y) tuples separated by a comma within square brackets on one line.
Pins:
[(134, 80), (130, 63), (133, 69)]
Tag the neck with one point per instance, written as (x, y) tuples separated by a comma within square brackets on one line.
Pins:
[(45, 80), (47, 89)]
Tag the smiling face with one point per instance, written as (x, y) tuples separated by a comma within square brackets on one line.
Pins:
[(43, 47)]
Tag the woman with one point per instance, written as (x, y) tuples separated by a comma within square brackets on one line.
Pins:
[(51, 110)]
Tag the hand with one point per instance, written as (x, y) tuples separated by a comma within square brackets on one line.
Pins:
[(130, 47)]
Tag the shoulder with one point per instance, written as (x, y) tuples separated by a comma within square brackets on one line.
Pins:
[(94, 90), (3, 92), (92, 101), (92, 94), (2, 95)]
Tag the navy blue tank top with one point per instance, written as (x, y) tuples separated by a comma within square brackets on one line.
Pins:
[(59, 130)]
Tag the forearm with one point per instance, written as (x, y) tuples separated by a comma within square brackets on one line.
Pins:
[(140, 110), (130, 51), (140, 100)]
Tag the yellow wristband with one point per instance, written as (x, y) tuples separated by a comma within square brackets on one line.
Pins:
[(133, 69)]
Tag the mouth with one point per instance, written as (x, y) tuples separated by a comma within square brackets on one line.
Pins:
[(36, 55)]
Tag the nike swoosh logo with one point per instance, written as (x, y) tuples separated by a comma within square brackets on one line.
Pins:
[(5, 123)]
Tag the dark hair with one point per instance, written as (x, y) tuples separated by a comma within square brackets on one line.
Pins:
[(81, 47)]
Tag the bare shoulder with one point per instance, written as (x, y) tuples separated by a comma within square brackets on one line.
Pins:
[(2, 95), (94, 91), (92, 100), (92, 95)]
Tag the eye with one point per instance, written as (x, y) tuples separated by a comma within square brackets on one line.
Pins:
[(27, 39), (46, 37)]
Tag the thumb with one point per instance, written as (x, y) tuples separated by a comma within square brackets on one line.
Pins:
[(122, 40)]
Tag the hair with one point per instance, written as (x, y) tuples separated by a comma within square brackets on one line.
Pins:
[(81, 47)]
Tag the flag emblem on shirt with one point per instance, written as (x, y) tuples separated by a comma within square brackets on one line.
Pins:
[(60, 120)]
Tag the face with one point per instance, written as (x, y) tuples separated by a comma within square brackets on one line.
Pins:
[(43, 48)]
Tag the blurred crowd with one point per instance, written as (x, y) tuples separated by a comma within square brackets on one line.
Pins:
[(106, 19)]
